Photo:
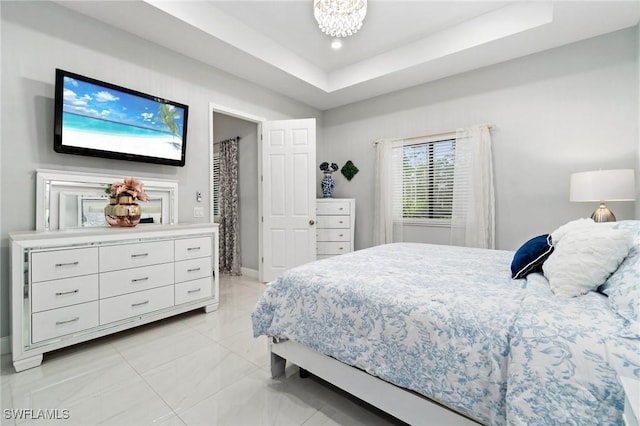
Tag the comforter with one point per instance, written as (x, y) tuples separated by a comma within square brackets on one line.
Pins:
[(450, 323)]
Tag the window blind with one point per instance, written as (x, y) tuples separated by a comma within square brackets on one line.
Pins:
[(423, 181), (216, 184)]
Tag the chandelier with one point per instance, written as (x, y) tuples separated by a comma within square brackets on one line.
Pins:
[(339, 18)]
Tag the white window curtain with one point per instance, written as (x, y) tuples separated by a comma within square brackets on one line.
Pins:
[(384, 190), (473, 210)]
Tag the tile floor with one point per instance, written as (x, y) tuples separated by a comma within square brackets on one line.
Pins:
[(192, 369)]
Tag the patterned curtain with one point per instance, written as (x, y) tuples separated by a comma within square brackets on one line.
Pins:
[(229, 226)]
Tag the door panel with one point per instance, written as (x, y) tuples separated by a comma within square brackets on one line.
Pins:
[(288, 157), (277, 207), (300, 178)]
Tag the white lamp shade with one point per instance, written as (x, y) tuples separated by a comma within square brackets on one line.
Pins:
[(603, 185)]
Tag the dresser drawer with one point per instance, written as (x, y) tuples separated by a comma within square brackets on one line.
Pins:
[(334, 221), (133, 304), (193, 290), (134, 255), (324, 256), (333, 208), (125, 281), (193, 269), (54, 294), (333, 248), (191, 248), (332, 234), (58, 322), (56, 264)]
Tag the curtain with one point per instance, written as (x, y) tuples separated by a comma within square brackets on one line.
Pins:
[(383, 196), (473, 212), (229, 227)]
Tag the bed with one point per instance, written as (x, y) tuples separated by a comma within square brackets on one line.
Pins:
[(444, 333)]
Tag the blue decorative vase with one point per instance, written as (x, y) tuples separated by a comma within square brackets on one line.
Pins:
[(327, 185)]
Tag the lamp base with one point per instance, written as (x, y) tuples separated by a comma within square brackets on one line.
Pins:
[(603, 214)]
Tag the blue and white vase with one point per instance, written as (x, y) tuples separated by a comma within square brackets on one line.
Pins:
[(327, 185)]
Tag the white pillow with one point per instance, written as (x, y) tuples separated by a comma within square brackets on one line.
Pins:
[(574, 225), (585, 254)]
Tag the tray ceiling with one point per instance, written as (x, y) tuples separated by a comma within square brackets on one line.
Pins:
[(402, 43)]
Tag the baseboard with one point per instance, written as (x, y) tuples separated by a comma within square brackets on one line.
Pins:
[(247, 272), (5, 345)]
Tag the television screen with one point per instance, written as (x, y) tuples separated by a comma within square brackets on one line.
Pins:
[(104, 120)]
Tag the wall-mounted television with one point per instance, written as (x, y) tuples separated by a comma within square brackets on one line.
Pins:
[(101, 119)]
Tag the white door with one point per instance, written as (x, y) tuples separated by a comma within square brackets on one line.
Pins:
[(288, 196)]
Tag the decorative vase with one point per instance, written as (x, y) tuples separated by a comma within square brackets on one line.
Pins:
[(122, 211), (327, 185)]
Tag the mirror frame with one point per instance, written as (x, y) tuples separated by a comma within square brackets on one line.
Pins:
[(48, 180)]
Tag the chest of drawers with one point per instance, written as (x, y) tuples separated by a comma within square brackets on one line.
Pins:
[(75, 285), (335, 230)]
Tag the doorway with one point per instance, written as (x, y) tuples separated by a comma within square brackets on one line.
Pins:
[(283, 165), (226, 124)]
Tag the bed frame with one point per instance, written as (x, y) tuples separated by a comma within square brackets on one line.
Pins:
[(403, 404)]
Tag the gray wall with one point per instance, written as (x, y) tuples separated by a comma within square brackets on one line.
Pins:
[(36, 38), (225, 127), (566, 110)]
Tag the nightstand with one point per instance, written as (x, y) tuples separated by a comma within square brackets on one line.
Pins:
[(336, 219)]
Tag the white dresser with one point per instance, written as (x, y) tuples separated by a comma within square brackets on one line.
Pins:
[(75, 285), (335, 229)]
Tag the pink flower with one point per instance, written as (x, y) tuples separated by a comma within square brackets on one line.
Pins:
[(131, 186)]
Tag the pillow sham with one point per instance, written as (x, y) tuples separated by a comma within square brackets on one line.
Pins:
[(585, 254), (633, 227), (530, 256), (574, 225), (623, 286)]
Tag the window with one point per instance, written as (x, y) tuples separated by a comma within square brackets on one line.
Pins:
[(216, 184), (424, 183)]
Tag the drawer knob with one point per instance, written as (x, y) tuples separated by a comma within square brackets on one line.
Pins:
[(193, 248), (68, 321), (342, 235), (193, 269), (193, 291), (62, 293), (139, 255), (340, 222), (137, 280), (312, 222), (133, 305)]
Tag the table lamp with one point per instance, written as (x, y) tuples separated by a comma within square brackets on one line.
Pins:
[(601, 186)]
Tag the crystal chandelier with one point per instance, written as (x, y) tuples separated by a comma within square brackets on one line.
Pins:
[(339, 18)]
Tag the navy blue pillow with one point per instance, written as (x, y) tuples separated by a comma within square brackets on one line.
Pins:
[(530, 257)]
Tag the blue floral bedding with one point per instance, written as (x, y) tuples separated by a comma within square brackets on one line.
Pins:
[(451, 324)]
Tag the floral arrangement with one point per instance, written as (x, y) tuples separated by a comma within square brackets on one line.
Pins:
[(130, 187), (325, 167)]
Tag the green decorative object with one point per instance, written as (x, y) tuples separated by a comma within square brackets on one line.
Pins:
[(349, 170)]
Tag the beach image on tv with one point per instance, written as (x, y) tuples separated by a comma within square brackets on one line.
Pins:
[(99, 117)]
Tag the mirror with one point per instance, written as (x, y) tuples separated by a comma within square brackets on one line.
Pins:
[(76, 200)]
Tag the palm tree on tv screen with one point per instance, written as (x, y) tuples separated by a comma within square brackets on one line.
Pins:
[(168, 115)]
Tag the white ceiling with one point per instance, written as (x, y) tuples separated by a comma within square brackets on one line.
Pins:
[(402, 43)]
